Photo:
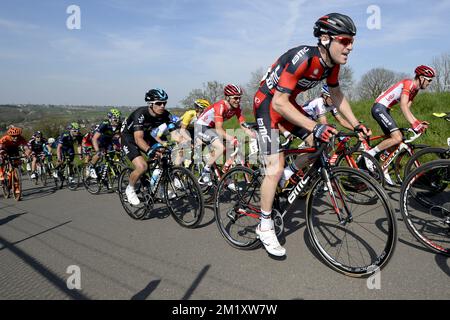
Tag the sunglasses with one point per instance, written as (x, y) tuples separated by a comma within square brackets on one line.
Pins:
[(160, 103), (428, 79), (236, 98), (345, 41)]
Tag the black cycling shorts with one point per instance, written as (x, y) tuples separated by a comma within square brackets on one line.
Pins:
[(268, 138), (130, 147), (381, 114), (206, 134)]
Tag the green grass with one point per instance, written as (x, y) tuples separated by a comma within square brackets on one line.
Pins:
[(423, 107)]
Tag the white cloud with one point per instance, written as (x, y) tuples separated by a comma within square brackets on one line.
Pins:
[(17, 26)]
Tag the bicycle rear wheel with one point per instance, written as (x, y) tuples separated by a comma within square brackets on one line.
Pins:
[(183, 197), (237, 207), (135, 212), (424, 156), (400, 163), (364, 239), (425, 205)]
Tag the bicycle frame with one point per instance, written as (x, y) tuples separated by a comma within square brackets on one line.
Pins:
[(320, 166), (404, 145)]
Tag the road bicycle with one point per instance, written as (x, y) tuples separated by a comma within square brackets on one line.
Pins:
[(44, 169), (350, 221), (217, 171), (11, 180), (425, 205), (429, 154), (395, 159), (346, 153), (176, 185), (68, 172), (107, 170)]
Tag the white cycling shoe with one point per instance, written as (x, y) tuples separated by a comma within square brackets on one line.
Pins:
[(270, 242), (388, 179), (132, 196), (92, 173)]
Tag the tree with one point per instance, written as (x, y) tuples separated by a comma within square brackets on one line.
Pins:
[(377, 80), (251, 87), (346, 82), (212, 91), (442, 80)]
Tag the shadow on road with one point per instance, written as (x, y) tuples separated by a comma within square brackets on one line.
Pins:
[(41, 269), (443, 263), (147, 291), (37, 191), (196, 283), (10, 218), (205, 224)]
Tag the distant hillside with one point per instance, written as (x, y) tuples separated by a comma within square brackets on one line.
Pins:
[(52, 119)]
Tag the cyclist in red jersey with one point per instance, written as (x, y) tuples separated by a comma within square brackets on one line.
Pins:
[(298, 70), (209, 126), (404, 93)]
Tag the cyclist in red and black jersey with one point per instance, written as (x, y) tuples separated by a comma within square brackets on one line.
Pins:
[(404, 93), (299, 69)]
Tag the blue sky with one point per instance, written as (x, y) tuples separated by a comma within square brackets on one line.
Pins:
[(126, 47)]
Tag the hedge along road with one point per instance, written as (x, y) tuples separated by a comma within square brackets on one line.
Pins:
[(52, 242)]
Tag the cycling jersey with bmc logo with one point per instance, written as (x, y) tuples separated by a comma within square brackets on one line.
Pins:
[(297, 70)]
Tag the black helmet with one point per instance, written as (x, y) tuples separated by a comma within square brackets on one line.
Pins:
[(156, 95), (334, 24)]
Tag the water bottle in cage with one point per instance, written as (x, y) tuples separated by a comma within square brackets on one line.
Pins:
[(253, 146), (155, 176)]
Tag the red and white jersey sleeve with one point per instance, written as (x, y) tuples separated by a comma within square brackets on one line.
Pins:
[(219, 112), (392, 96)]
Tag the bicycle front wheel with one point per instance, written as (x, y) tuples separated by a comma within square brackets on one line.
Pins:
[(92, 185), (353, 237), (425, 205), (184, 197), (237, 207), (16, 184)]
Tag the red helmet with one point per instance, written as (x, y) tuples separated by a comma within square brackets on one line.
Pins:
[(14, 131), (425, 71), (232, 90)]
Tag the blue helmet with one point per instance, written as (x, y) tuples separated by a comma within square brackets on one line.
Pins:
[(156, 95), (325, 91)]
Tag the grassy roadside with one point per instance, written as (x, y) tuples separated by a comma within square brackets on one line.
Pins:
[(423, 108)]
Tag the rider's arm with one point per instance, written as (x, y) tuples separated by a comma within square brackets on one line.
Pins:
[(405, 106), (95, 138), (139, 139), (222, 133), (343, 106), (286, 109), (343, 122)]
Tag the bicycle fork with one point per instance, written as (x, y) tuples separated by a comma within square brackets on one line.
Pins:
[(336, 197)]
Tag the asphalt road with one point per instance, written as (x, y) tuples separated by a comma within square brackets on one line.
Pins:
[(120, 258)]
